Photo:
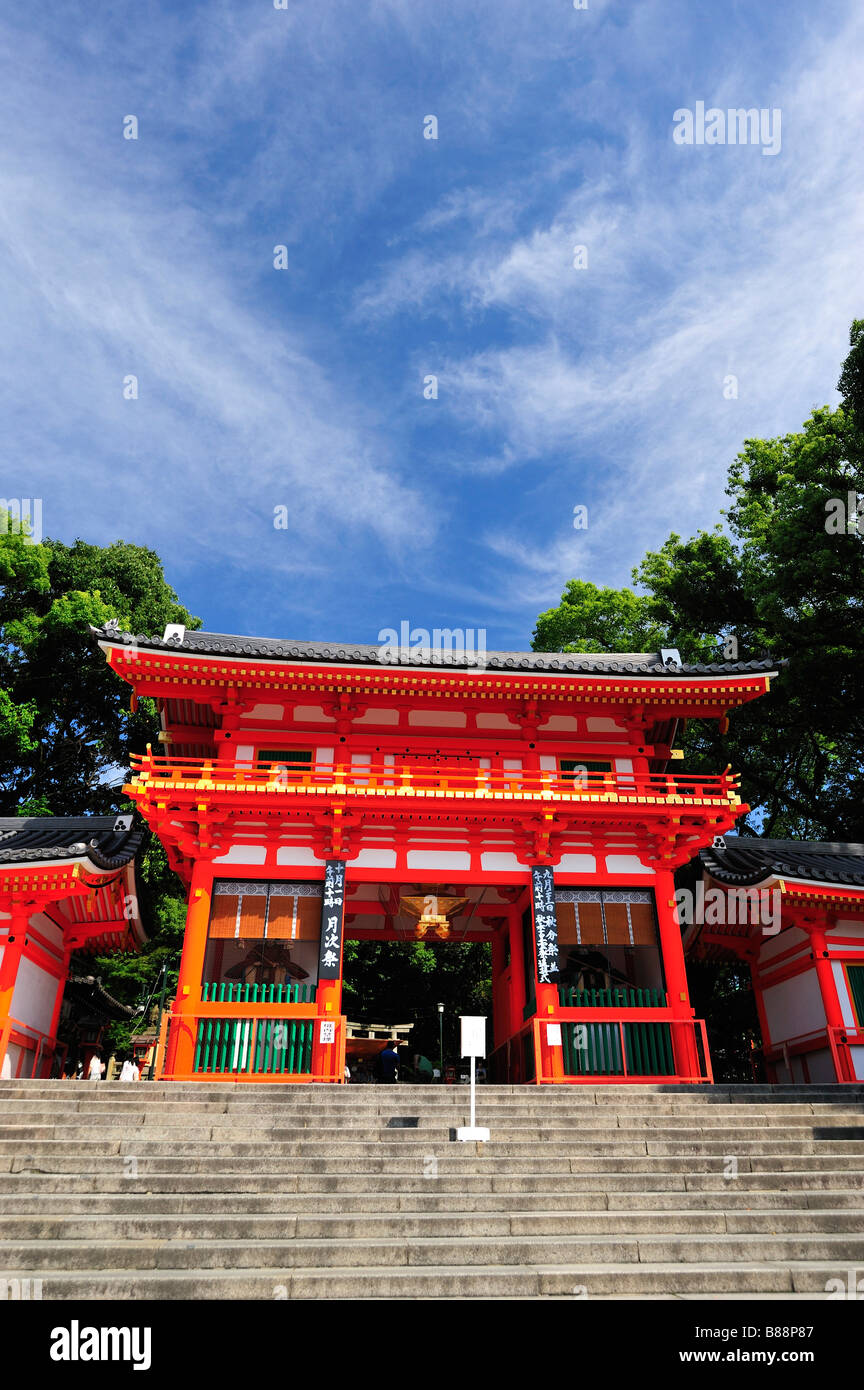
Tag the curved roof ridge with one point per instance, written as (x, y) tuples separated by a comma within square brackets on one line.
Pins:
[(205, 643)]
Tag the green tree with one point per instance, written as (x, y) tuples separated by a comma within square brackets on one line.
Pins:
[(589, 619), (404, 982), (66, 729)]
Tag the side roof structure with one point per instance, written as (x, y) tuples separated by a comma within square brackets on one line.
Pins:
[(108, 842), (744, 861)]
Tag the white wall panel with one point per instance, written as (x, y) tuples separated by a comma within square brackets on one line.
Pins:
[(794, 1007), (243, 854), (438, 859), (35, 995)]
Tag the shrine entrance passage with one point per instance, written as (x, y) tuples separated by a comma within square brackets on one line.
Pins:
[(410, 947)]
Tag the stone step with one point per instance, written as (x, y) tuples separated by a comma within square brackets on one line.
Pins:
[(352, 1098), (43, 1139), (220, 1182), (806, 1279), (400, 1226), (414, 1148), (68, 1255), (402, 1125), (88, 1206), (427, 1167), (403, 1120), (309, 1192)]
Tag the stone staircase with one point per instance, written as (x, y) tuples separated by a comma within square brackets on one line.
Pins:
[(209, 1191)]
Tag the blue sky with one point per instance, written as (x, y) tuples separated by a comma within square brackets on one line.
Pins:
[(407, 257)]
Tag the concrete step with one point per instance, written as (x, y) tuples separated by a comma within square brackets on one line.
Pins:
[(98, 1124), (283, 1191), (490, 1181), (89, 1206), (805, 1279), (553, 1156), (404, 1127), (399, 1226), (67, 1255)]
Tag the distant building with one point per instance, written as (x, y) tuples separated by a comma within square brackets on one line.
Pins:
[(794, 912), (67, 892)]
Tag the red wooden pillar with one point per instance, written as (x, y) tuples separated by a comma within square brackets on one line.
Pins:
[(827, 983), (13, 945), (500, 988), (672, 948), (181, 1049)]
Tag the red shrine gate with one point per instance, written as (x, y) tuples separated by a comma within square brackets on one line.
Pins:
[(308, 793)]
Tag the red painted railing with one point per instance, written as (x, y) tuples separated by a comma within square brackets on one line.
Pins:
[(615, 1049), (410, 779), (837, 1040), (242, 1042), (38, 1050)]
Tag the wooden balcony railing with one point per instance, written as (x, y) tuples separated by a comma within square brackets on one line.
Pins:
[(191, 776)]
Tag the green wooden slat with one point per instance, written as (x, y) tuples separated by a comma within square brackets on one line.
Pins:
[(631, 1047), (666, 1035), (307, 1059), (650, 1063), (856, 986), (657, 1059)]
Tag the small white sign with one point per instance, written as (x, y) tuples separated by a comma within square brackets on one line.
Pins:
[(327, 1032), (473, 1036), (553, 1034)]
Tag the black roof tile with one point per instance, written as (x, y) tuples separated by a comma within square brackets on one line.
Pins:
[(354, 653), (102, 838), (745, 861)]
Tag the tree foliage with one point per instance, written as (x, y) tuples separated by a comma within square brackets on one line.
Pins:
[(404, 982), (66, 730)]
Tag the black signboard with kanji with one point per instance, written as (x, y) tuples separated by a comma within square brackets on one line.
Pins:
[(332, 914), (545, 922)]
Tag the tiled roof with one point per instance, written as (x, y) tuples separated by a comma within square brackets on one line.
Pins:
[(353, 653), (103, 839), (88, 990), (746, 860)]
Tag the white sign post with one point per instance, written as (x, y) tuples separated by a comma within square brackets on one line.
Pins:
[(473, 1046)]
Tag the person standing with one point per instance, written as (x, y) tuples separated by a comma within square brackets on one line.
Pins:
[(387, 1065)]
